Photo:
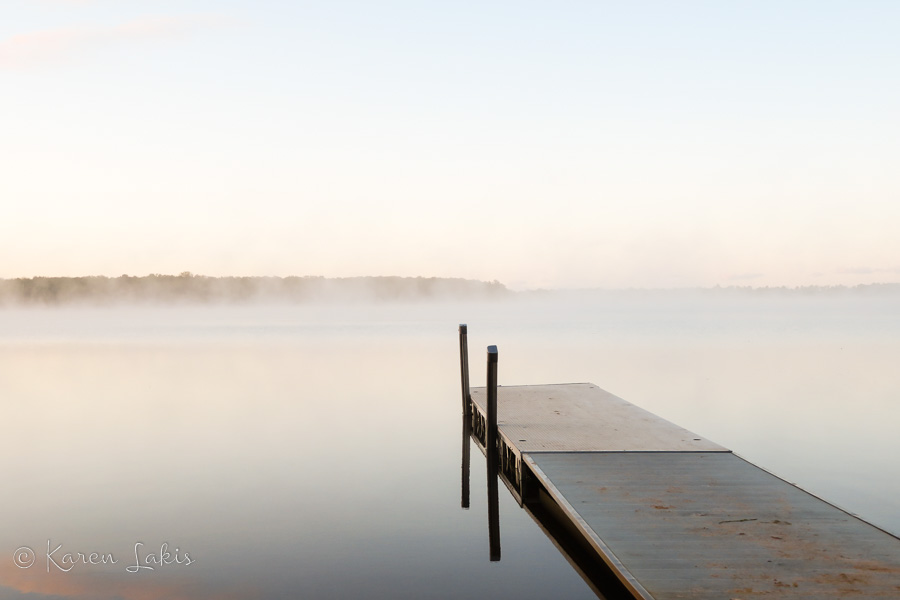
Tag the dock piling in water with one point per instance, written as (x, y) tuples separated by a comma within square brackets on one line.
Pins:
[(464, 365), (467, 421), (491, 433), (492, 453)]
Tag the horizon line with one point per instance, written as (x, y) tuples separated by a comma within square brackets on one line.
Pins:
[(495, 282)]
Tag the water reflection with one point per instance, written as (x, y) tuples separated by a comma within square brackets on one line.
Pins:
[(314, 451), (316, 467), (466, 452)]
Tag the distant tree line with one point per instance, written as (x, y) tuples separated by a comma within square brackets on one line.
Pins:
[(190, 288), (199, 289)]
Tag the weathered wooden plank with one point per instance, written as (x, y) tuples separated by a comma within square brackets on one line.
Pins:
[(712, 525), (582, 417)]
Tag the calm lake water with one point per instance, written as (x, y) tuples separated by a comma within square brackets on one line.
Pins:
[(314, 451)]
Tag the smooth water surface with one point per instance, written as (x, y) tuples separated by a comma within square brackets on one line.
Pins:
[(314, 451)]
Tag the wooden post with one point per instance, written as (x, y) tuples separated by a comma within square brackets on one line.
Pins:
[(493, 462), (464, 365), (491, 425), (466, 416)]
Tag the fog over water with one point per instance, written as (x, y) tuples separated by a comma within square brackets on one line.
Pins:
[(312, 449), (249, 433)]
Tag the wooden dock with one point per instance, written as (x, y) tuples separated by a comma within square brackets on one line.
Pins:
[(664, 513)]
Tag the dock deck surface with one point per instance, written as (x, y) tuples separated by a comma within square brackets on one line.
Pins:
[(677, 516)]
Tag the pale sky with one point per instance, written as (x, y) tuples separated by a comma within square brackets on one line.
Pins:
[(542, 144)]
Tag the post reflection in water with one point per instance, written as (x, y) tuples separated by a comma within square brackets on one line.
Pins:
[(493, 505), (466, 432), (492, 489)]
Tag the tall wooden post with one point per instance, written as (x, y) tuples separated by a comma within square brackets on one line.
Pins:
[(464, 365), (466, 415), (492, 449), (491, 425)]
